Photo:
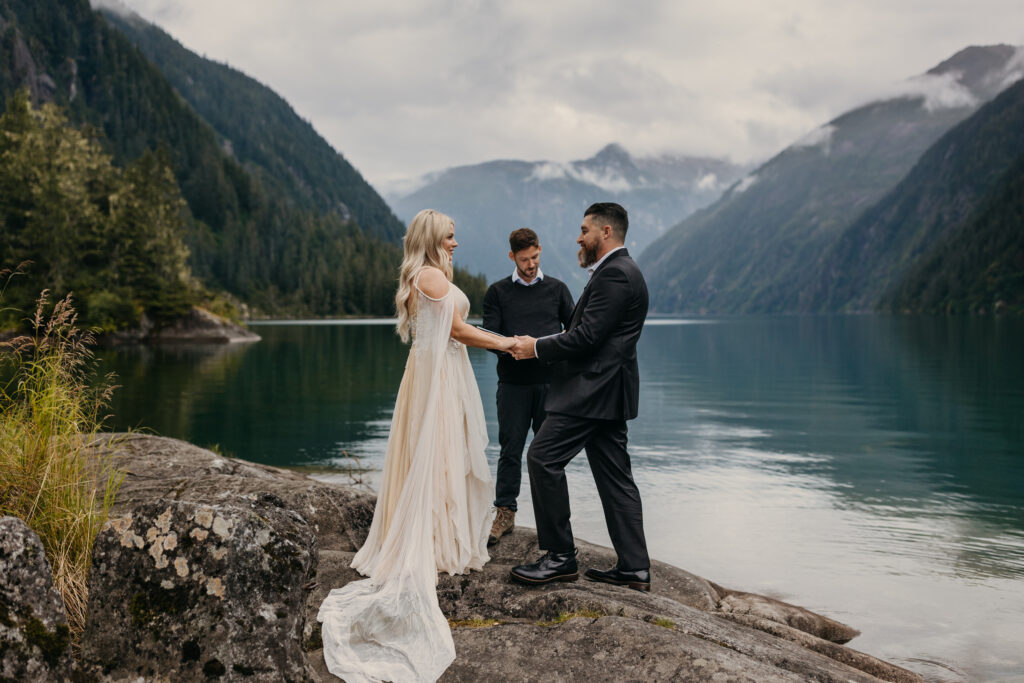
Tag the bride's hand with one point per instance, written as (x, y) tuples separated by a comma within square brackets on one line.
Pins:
[(507, 344)]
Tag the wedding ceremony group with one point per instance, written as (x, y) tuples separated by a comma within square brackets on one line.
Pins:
[(409, 341), (568, 371)]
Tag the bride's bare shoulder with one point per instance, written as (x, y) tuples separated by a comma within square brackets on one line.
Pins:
[(432, 282)]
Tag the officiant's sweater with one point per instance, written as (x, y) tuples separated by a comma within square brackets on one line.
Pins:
[(537, 310)]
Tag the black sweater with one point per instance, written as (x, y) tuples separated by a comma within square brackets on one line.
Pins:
[(539, 310)]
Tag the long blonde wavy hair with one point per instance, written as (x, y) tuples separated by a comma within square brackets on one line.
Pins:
[(423, 244)]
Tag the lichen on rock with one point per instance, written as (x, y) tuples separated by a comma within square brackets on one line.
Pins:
[(35, 640), (152, 607)]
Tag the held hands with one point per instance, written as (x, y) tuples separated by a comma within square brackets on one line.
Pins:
[(523, 347)]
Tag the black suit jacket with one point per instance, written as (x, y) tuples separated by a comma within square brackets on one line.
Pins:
[(596, 374)]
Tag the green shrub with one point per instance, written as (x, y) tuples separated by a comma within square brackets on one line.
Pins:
[(49, 476), (108, 311)]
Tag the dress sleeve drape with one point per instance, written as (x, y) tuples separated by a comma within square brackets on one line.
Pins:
[(432, 515)]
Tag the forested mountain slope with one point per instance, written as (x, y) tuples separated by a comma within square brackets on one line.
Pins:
[(980, 267), (751, 250), (262, 131), (245, 233), (942, 195)]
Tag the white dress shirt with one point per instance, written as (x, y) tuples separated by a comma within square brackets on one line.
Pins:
[(516, 278), (597, 264)]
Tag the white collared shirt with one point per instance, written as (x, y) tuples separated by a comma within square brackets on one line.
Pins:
[(531, 283), (591, 268)]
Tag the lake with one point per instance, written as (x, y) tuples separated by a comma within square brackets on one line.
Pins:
[(870, 468)]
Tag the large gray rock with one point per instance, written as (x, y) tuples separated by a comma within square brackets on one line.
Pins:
[(753, 609), (601, 649), (35, 642), (681, 622), (688, 628), (158, 467), (184, 590), (198, 325)]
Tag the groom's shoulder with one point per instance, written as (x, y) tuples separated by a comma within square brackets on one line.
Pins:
[(618, 261), (624, 262)]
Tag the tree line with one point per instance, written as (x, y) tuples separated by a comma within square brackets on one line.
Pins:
[(125, 241)]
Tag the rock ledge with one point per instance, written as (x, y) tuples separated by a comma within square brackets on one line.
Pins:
[(35, 642), (214, 567), (197, 326)]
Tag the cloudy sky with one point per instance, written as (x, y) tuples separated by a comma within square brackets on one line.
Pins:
[(403, 87)]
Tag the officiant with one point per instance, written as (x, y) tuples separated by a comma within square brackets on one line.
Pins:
[(527, 303)]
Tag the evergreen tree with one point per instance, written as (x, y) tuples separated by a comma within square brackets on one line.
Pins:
[(260, 237), (112, 237)]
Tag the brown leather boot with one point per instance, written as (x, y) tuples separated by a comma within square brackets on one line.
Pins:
[(504, 521)]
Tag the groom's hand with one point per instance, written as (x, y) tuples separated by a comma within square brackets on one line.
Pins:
[(524, 347)]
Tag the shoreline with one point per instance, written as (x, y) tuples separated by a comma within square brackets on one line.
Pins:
[(199, 546)]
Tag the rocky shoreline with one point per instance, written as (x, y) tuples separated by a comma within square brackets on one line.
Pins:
[(198, 326), (214, 568)]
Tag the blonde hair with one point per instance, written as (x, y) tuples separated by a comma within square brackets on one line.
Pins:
[(423, 244)]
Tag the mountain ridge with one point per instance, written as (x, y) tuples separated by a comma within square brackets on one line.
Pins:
[(490, 199), (748, 252), (979, 268), (937, 197), (260, 129)]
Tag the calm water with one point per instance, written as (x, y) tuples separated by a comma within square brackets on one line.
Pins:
[(868, 468)]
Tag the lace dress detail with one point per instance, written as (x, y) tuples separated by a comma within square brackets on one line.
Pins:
[(432, 514)]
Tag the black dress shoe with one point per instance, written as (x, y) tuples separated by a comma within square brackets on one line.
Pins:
[(551, 567), (637, 579)]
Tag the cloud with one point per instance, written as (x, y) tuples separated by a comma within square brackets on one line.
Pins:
[(819, 137), (403, 87), (116, 6), (744, 184), (937, 91), (707, 182), (549, 171), (1013, 72), (606, 178)]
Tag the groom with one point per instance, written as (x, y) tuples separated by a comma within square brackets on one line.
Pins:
[(595, 389)]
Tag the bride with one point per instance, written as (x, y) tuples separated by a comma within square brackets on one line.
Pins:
[(433, 511)]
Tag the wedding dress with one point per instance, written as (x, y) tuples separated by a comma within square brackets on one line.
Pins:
[(433, 514)]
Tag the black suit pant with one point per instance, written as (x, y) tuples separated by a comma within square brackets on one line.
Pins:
[(519, 407), (559, 440)]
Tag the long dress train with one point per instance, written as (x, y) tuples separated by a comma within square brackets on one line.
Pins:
[(432, 515)]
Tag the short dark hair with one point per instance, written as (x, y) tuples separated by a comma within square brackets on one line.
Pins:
[(611, 214), (523, 238)]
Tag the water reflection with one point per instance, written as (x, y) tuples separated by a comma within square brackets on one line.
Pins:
[(868, 467), (877, 459), (294, 398), (900, 419)]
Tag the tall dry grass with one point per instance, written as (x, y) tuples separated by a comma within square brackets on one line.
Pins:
[(51, 409)]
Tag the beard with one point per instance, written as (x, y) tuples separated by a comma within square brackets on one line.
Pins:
[(587, 255)]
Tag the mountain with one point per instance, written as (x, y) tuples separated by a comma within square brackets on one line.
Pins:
[(980, 267), (490, 200), (750, 250), (261, 130), (65, 53), (958, 193), (275, 242)]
